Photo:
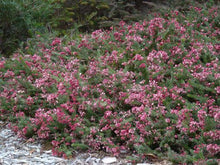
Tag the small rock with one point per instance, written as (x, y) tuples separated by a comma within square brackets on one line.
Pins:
[(47, 152), (78, 162), (97, 160), (88, 159), (123, 151), (109, 160), (16, 151)]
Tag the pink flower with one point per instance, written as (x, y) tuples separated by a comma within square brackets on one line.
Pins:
[(56, 41), (217, 89), (138, 57), (93, 130), (213, 148), (24, 130), (107, 114), (167, 120), (9, 74), (97, 34), (155, 24), (2, 64), (118, 35), (29, 100), (55, 143), (217, 116), (215, 135), (143, 65), (143, 116), (123, 133), (20, 114)]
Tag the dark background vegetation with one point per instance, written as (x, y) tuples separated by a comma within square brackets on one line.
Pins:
[(24, 19)]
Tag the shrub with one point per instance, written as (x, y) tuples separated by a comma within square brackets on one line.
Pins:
[(20, 20), (151, 87), (13, 28), (23, 19), (90, 15)]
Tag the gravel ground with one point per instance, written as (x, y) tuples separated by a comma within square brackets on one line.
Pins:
[(17, 151)]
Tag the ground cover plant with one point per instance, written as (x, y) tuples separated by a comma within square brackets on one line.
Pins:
[(148, 88)]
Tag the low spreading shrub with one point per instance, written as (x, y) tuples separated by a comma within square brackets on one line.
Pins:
[(151, 87)]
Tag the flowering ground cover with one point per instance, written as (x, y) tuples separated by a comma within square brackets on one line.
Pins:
[(151, 87)]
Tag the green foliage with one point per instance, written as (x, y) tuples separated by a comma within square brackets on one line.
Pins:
[(93, 14), (79, 146), (22, 19), (38, 14), (121, 10), (212, 162), (94, 91), (13, 27)]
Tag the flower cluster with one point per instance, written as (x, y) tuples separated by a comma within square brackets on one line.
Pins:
[(148, 87)]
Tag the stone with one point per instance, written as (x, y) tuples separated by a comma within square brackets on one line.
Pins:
[(109, 160), (17, 151)]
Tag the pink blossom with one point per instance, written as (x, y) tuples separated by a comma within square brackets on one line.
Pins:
[(167, 120), (217, 89), (2, 64), (155, 24), (9, 74), (143, 65), (107, 114), (56, 41), (217, 116), (215, 135), (138, 57), (213, 148), (29, 100), (123, 133)]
